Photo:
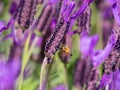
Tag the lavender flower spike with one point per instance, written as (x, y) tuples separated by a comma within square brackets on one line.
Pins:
[(99, 58)]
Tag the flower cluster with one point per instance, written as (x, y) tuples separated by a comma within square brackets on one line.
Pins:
[(57, 33)]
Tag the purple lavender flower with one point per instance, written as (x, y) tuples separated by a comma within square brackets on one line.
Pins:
[(13, 8), (84, 65), (115, 83), (87, 44), (99, 58), (106, 79), (110, 78), (89, 54), (112, 81), (24, 15), (115, 8), (8, 74), (61, 29), (10, 70)]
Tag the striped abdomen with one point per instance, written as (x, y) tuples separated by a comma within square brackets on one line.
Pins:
[(45, 18), (25, 13), (56, 38)]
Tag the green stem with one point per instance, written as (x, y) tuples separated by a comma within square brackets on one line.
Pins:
[(45, 68), (25, 59), (66, 77)]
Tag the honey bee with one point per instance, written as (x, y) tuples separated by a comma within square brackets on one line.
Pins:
[(66, 50)]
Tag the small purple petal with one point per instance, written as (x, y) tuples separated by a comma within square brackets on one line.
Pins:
[(115, 83), (82, 8), (69, 9), (97, 52), (87, 44), (95, 40), (97, 60), (105, 80), (7, 26), (1, 24), (60, 87), (13, 8), (39, 42), (8, 74)]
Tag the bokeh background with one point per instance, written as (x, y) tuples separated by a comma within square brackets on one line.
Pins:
[(57, 73)]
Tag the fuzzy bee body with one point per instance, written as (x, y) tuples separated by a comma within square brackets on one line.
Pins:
[(66, 50)]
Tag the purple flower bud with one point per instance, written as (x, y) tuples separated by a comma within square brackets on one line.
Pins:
[(13, 8), (25, 13), (56, 38), (45, 18)]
